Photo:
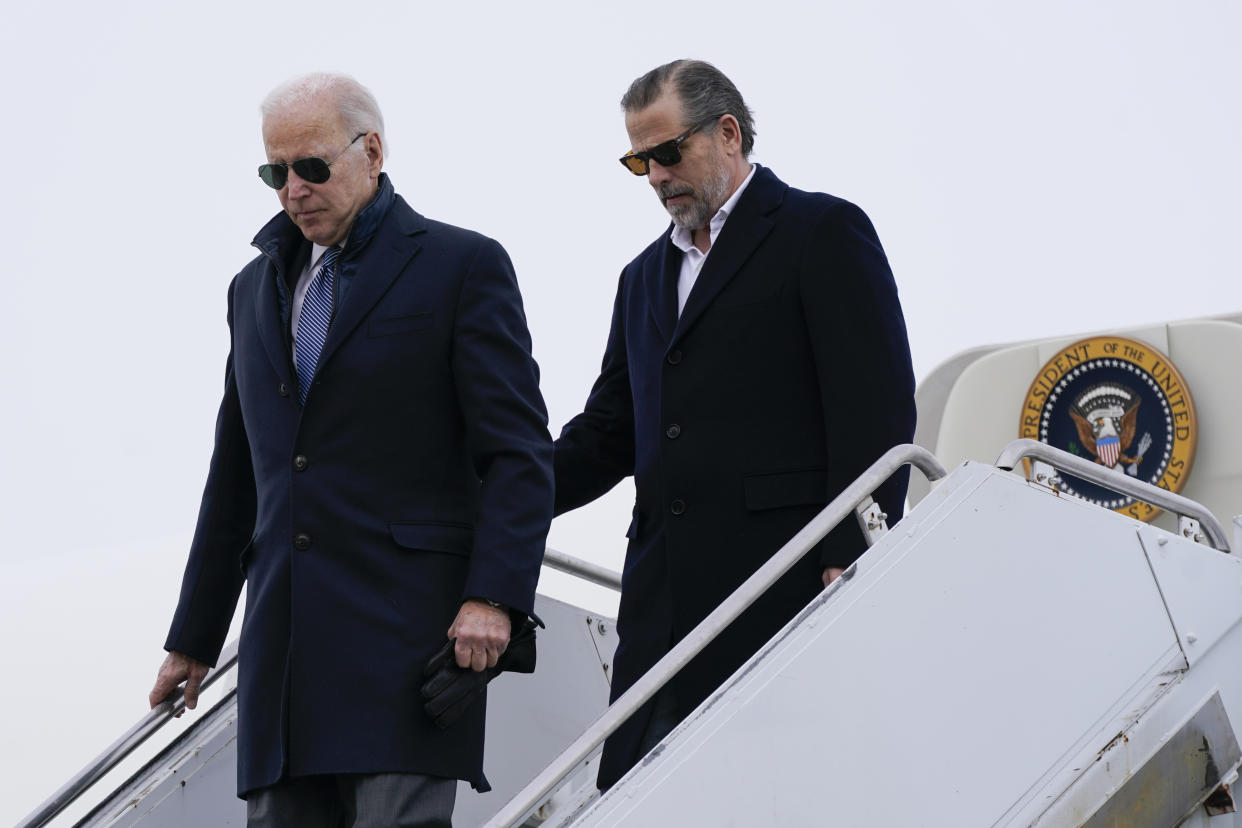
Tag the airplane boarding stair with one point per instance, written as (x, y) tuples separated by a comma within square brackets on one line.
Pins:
[(1004, 656)]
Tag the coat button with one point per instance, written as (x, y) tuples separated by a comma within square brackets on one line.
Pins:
[(284, 390), (301, 542), (674, 357), (677, 507), (299, 462), (673, 431)]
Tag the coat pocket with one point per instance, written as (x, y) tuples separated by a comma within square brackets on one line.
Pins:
[(792, 488), (452, 538), (400, 324)]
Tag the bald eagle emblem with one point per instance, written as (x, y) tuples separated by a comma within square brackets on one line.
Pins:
[(1106, 416)]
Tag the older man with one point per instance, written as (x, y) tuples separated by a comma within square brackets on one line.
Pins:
[(381, 479), (757, 363)]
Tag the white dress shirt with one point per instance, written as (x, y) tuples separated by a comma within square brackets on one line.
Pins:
[(693, 258)]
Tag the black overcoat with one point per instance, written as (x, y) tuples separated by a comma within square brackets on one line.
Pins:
[(787, 374), (417, 474)]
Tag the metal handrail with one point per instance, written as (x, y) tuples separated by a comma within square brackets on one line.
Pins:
[(585, 570), (174, 705), (122, 747), (1112, 479), (529, 798)]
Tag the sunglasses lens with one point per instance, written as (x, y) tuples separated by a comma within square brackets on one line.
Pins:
[(314, 170), (666, 154), (635, 164), (273, 175)]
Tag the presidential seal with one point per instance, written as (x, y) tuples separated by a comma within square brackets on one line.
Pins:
[(1120, 403)]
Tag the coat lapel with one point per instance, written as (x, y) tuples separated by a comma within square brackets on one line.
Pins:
[(271, 328), (381, 262), (746, 227), (280, 242), (660, 282)]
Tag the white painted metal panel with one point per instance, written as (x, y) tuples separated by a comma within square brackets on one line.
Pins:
[(1201, 588)]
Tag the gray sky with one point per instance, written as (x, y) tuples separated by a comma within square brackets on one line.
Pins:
[(1032, 171)]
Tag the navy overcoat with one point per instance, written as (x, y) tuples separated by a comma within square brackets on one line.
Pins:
[(787, 374), (417, 474)]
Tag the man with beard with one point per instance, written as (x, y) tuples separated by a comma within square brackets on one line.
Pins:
[(756, 365), (381, 481)]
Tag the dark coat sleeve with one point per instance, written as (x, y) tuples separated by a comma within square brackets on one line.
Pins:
[(497, 384), (596, 448), (862, 357), (226, 519)]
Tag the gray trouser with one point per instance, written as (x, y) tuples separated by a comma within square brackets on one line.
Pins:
[(369, 800)]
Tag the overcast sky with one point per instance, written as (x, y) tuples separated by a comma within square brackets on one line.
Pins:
[(1032, 170)]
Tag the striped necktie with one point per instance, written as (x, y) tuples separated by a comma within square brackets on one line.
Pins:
[(314, 320)]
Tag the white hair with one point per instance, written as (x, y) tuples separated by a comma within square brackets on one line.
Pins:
[(356, 105)]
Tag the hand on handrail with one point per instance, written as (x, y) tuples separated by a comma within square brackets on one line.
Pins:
[(178, 668), (832, 573)]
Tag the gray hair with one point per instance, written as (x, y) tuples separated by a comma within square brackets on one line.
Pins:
[(703, 90), (356, 105)]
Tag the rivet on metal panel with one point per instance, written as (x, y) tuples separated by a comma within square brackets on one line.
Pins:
[(1163, 542), (602, 627), (1045, 476), (1190, 528), (872, 520), (1191, 638)]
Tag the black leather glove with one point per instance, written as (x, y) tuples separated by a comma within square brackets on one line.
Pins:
[(448, 689)]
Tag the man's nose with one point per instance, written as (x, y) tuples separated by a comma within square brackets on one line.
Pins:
[(657, 173), (298, 188)]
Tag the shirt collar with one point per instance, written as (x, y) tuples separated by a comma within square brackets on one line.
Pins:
[(682, 238), (317, 251)]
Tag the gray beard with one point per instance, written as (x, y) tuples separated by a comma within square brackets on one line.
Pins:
[(704, 202)]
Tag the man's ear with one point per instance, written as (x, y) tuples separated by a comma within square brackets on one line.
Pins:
[(374, 148), (731, 133)]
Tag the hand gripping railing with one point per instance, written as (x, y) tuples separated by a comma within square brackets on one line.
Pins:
[(160, 715), (171, 707), (858, 492), (1116, 481)]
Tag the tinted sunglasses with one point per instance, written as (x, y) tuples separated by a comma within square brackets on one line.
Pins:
[(666, 154), (313, 170)]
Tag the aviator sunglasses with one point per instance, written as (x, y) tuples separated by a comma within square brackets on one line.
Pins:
[(313, 170), (666, 154)]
